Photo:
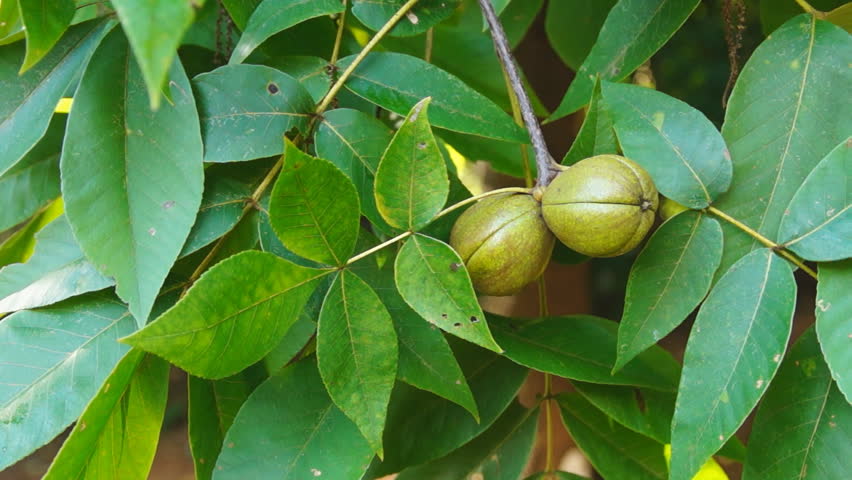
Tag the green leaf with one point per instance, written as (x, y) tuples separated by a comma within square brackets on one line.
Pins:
[(596, 135), (841, 16), (411, 180), (651, 418), (154, 29), (19, 247), (56, 271), (499, 453), (732, 354), (227, 187), (776, 127), (425, 358), (117, 435), (834, 321), (240, 10), (633, 31), (615, 451), (573, 25), (34, 181), (311, 72), (213, 405), (271, 17), (11, 25), (494, 381), (434, 282), (246, 110), (676, 143), (27, 101), (132, 178), (309, 437), (44, 23), (357, 354), (269, 241), (314, 208), (581, 347), (398, 82), (668, 280), (232, 316), (355, 142), (424, 15), (803, 428), (817, 224), (54, 360)]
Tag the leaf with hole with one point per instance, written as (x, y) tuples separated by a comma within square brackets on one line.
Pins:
[(411, 183), (132, 178), (246, 110), (116, 437), (52, 363), (817, 225), (314, 208), (309, 438), (398, 82), (433, 280), (734, 349), (671, 277), (232, 316), (271, 17), (776, 127)]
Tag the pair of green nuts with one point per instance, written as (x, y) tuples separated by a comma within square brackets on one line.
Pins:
[(603, 206)]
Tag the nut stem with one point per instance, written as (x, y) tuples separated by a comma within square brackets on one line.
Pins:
[(547, 167)]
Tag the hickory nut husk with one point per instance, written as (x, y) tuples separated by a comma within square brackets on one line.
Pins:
[(602, 206), (504, 243)]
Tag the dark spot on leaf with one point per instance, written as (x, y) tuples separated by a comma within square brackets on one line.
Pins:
[(272, 88), (421, 145), (455, 266), (473, 319), (444, 315), (457, 324)]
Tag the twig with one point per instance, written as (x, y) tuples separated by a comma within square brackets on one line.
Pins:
[(547, 167)]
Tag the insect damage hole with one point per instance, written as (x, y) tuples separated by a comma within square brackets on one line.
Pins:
[(473, 319), (455, 266), (272, 88)]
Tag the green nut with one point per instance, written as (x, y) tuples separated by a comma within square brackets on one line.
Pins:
[(602, 206), (504, 243)]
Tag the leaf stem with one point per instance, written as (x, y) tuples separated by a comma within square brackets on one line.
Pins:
[(251, 203), (548, 388), (547, 168), (440, 214), (430, 39), (779, 249), (807, 7), (335, 52), (332, 92)]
